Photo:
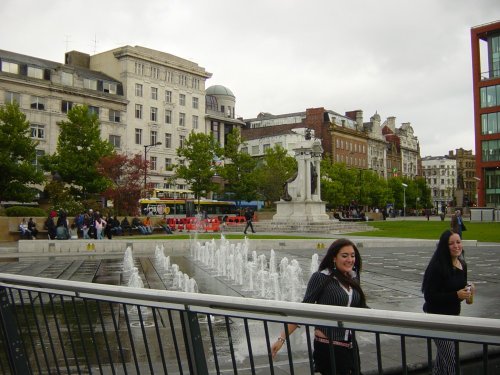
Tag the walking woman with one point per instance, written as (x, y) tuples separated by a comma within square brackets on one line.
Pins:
[(445, 287), (337, 282)]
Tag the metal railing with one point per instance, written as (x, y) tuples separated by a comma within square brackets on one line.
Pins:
[(52, 326)]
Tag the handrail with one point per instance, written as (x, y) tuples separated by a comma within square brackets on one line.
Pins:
[(478, 330)]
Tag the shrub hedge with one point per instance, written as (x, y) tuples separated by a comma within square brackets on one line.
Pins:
[(22, 211)]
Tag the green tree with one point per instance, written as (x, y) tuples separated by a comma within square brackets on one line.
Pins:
[(79, 148), (198, 156), (373, 189), (272, 172), (17, 153), (238, 170), (338, 183)]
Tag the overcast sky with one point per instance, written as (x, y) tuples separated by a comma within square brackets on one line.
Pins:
[(408, 59)]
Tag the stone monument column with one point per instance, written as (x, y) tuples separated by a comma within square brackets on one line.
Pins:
[(303, 204)]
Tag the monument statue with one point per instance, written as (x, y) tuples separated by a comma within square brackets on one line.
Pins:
[(301, 200)]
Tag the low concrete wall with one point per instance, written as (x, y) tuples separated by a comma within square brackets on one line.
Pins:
[(178, 247)]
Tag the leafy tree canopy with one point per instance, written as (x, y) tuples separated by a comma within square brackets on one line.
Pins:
[(271, 174), (17, 153), (197, 167), (79, 148), (239, 170), (125, 176)]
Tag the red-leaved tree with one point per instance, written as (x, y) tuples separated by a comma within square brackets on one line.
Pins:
[(125, 175)]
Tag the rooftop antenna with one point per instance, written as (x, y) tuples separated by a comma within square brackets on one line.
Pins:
[(95, 43), (66, 42)]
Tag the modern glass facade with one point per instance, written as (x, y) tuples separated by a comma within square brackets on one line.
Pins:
[(486, 90)]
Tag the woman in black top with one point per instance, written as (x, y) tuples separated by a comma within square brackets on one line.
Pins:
[(335, 283), (445, 287)]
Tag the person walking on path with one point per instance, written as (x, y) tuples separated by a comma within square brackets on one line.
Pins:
[(457, 223), (249, 218), (337, 282), (445, 287)]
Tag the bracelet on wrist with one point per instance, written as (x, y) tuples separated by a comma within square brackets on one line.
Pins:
[(281, 339)]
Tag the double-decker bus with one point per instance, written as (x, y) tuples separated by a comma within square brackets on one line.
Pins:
[(178, 203)]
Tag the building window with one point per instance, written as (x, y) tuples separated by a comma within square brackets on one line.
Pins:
[(37, 103), (168, 116), (195, 103), (66, 106), (490, 150), (169, 76), (93, 110), (139, 68), (490, 123), (115, 140), (35, 72), (182, 139), (244, 150), (153, 163), (196, 83), (38, 155), (255, 150), (266, 147), (9, 67), (155, 72), (154, 93), (215, 130), (138, 136), (168, 164), (183, 80), (67, 79), (12, 97), (37, 131), (168, 140), (110, 87), (90, 84), (138, 111), (195, 122), (114, 116), (182, 99), (182, 119), (138, 89), (154, 114), (168, 96), (153, 137)]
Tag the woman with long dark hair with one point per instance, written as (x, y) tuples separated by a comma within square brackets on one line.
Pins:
[(337, 283), (445, 287)]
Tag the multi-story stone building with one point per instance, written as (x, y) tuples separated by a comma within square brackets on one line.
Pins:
[(465, 194), (378, 145), (407, 160), (440, 173), (148, 101), (47, 90), (383, 148)]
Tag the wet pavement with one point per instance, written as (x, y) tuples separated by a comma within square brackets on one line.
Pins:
[(391, 280)]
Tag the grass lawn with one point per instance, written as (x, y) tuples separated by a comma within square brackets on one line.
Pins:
[(484, 232)]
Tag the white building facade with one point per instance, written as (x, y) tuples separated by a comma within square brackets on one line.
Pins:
[(440, 173)]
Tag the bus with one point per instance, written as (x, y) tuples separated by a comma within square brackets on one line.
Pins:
[(162, 202)]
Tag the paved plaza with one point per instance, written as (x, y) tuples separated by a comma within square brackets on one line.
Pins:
[(391, 279)]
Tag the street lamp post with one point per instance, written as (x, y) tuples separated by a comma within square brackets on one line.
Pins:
[(478, 180), (146, 148), (404, 198)]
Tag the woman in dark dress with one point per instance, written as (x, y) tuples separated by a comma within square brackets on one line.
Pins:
[(445, 287)]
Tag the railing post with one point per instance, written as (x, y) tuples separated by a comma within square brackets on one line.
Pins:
[(13, 344), (192, 337)]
